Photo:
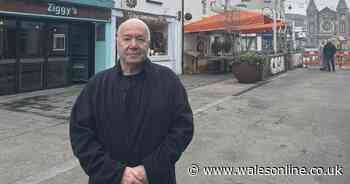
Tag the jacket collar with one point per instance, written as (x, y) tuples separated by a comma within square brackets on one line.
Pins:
[(145, 68)]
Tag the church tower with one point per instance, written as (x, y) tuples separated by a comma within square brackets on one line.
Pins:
[(343, 19)]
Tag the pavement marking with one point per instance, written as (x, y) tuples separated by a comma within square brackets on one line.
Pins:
[(50, 173)]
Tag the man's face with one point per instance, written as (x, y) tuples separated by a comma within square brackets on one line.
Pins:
[(132, 43)]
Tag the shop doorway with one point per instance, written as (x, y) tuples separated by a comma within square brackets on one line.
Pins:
[(82, 52)]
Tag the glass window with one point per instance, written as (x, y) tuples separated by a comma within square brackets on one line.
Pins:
[(30, 39), (7, 38), (342, 27), (159, 39), (216, 45), (267, 45), (311, 28), (59, 42), (58, 39), (159, 34)]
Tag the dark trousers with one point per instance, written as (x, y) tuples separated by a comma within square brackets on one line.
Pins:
[(331, 62)]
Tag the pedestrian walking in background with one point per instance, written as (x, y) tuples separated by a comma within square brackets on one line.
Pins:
[(131, 123), (329, 51), (323, 63)]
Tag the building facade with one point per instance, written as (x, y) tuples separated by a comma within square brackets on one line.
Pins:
[(299, 29), (164, 20), (253, 41), (328, 24), (47, 44)]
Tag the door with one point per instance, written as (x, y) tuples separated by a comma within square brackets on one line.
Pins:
[(81, 51), (57, 65), (7, 55), (31, 51)]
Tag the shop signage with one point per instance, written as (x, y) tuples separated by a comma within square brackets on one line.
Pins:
[(146, 17), (61, 10), (277, 64)]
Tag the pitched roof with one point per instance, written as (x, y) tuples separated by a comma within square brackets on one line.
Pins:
[(321, 4), (342, 5)]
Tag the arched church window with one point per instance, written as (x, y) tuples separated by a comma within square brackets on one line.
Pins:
[(342, 27), (311, 28)]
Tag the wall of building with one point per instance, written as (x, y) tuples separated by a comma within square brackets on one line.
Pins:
[(325, 24), (105, 50)]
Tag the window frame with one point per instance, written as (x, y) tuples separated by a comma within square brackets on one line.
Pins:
[(342, 26), (54, 42)]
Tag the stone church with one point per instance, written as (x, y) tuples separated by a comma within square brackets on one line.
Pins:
[(328, 24)]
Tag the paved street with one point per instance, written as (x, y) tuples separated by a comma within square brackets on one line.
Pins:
[(299, 118)]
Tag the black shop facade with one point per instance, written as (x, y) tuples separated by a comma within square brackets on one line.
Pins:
[(45, 44)]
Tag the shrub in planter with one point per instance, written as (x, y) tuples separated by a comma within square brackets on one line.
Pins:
[(249, 68)]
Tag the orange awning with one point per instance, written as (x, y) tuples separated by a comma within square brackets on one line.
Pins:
[(239, 21)]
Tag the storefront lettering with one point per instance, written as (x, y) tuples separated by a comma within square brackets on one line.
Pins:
[(61, 10)]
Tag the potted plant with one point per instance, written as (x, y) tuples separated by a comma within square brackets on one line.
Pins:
[(250, 67)]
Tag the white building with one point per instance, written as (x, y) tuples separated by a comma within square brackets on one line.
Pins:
[(164, 19)]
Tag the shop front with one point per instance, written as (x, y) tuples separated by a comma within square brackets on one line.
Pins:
[(165, 39), (47, 45)]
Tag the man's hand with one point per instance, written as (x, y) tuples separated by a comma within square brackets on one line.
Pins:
[(130, 176), (140, 173)]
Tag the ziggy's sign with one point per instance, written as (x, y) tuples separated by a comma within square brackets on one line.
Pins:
[(61, 10)]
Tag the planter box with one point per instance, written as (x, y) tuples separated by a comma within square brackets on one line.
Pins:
[(248, 73)]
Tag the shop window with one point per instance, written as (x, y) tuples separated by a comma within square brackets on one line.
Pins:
[(216, 45), (159, 39), (58, 39), (59, 42), (30, 39), (249, 44), (267, 45), (7, 39), (100, 32), (159, 34)]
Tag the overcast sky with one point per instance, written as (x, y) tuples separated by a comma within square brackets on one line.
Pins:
[(299, 6)]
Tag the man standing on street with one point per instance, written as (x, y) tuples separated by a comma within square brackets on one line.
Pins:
[(329, 51), (131, 123)]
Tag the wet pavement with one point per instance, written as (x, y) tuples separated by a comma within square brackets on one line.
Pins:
[(299, 117), (57, 103)]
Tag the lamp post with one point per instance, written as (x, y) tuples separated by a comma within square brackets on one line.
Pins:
[(272, 15), (274, 27)]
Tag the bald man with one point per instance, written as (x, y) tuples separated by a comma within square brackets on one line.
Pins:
[(131, 123)]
